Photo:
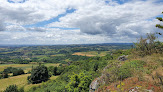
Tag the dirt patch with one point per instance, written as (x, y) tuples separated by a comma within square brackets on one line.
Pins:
[(83, 54)]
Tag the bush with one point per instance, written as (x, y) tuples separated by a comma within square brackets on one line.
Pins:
[(9, 70), (12, 88), (58, 70), (15, 71), (148, 46), (3, 75), (79, 83), (121, 72), (38, 74), (124, 72), (18, 72)]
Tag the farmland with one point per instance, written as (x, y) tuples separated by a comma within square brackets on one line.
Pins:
[(92, 53), (20, 81), (25, 67), (29, 57)]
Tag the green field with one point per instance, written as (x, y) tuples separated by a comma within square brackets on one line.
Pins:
[(25, 67), (20, 81)]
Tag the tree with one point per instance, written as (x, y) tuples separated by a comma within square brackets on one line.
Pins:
[(38, 74), (18, 72), (50, 70), (55, 71), (159, 25)]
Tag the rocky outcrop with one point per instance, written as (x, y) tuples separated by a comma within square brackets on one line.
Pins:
[(104, 76), (122, 58), (98, 81), (94, 85), (137, 89)]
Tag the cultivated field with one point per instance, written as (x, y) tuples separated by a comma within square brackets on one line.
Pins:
[(92, 53)]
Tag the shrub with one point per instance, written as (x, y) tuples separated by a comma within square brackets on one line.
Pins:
[(12, 88), (18, 72), (15, 71), (79, 83), (9, 70), (5, 75), (126, 70), (55, 71), (59, 70), (148, 46)]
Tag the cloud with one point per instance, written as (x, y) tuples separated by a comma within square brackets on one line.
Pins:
[(98, 21), (2, 27), (38, 29), (110, 20)]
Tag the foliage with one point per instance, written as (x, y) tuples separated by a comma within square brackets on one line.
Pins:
[(55, 70), (121, 72), (53, 54), (3, 75), (79, 83), (148, 46), (159, 25), (9, 70), (12, 88), (38, 74), (18, 72), (15, 71), (77, 76)]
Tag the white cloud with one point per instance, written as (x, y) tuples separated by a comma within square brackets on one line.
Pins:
[(106, 19), (98, 22)]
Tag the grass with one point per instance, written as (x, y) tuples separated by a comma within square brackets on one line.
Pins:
[(57, 55), (20, 81), (25, 67), (147, 78), (92, 53)]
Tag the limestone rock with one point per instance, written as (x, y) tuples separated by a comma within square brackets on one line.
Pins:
[(122, 58)]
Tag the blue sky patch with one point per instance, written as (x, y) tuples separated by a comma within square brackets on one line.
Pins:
[(161, 15), (63, 28), (118, 1), (16, 1), (55, 19)]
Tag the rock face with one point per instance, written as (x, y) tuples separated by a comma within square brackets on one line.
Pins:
[(94, 85), (98, 81), (103, 78), (122, 58)]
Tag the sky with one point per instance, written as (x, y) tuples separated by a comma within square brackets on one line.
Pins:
[(52, 22)]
